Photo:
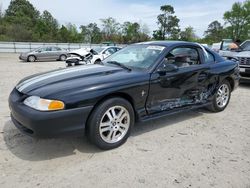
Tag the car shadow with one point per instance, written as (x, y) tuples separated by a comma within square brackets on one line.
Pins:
[(144, 127), (33, 149), (245, 84)]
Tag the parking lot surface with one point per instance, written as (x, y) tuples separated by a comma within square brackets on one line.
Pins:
[(191, 149)]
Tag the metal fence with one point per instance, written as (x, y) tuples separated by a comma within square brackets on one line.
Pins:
[(18, 47)]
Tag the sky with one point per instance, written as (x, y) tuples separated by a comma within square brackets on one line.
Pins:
[(195, 13)]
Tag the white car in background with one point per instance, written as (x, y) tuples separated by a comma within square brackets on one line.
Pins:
[(216, 47), (91, 55)]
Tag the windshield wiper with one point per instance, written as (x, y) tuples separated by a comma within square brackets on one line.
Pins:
[(120, 65)]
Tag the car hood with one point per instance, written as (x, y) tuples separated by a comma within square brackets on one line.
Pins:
[(81, 51), (75, 79), (243, 54)]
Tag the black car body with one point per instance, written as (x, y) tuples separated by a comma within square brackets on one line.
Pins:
[(152, 92)]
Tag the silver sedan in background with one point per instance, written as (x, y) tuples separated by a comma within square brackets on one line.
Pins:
[(45, 53)]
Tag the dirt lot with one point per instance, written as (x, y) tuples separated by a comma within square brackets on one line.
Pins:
[(194, 149)]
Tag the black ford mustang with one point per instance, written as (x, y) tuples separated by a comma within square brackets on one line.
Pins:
[(140, 82)]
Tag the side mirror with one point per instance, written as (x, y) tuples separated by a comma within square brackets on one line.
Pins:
[(165, 68)]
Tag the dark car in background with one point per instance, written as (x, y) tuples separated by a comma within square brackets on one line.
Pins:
[(138, 83), (45, 53)]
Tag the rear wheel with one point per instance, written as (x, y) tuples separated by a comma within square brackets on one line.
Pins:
[(31, 58), (110, 123), (221, 98), (62, 57)]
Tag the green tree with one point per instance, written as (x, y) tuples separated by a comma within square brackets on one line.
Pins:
[(20, 19), (110, 28), (238, 19), (73, 34), (91, 33), (46, 27), (188, 34), (168, 24), (214, 32), (22, 12), (130, 32)]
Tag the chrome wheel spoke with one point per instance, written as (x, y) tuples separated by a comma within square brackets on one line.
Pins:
[(109, 135), (109, 115), (105, 130), (114, 135), (114, 124), (113, 113), (222, 96)]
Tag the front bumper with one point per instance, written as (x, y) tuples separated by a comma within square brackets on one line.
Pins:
[(47, 124), (245, 72), (22, 57)]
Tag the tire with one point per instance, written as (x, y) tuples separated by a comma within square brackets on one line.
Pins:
[(31, 58), (106, 130), (62, 57), (98, 61), (220, 101)]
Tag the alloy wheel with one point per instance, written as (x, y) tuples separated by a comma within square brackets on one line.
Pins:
[(114, 124), (223, 95)]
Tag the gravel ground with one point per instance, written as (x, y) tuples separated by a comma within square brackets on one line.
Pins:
[(193, 149)]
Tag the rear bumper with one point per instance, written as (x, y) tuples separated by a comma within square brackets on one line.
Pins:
[(47, 124)]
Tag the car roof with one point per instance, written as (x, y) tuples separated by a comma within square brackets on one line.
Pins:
[(168, 43)]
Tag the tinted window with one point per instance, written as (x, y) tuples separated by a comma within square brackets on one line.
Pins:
[(48, 49), (183, 57)]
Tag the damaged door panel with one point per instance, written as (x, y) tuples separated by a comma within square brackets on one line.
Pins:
[(175, 90), (189, 85)]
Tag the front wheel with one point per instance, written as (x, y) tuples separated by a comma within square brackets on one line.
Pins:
[(110, 123), (31, 58), (221, 97)]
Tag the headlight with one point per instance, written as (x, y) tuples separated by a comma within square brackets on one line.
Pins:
[(43, 104)]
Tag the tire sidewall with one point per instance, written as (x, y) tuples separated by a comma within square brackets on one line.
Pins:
[(96, 117)]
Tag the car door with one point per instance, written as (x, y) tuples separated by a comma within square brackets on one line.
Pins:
[(55, 53), (182, 83), (49, 53), (41, 53)]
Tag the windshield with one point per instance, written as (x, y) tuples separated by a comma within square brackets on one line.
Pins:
[(246, 46), (137, 56), (98, 50)]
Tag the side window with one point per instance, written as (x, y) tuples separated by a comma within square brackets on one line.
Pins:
[(48, 49), (246, 46), (183, 57), (56, 49), (41, 50), (111, 50), (209, 58)]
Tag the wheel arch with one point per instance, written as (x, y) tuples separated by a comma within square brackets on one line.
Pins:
[(109, 96), (231, 82)]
